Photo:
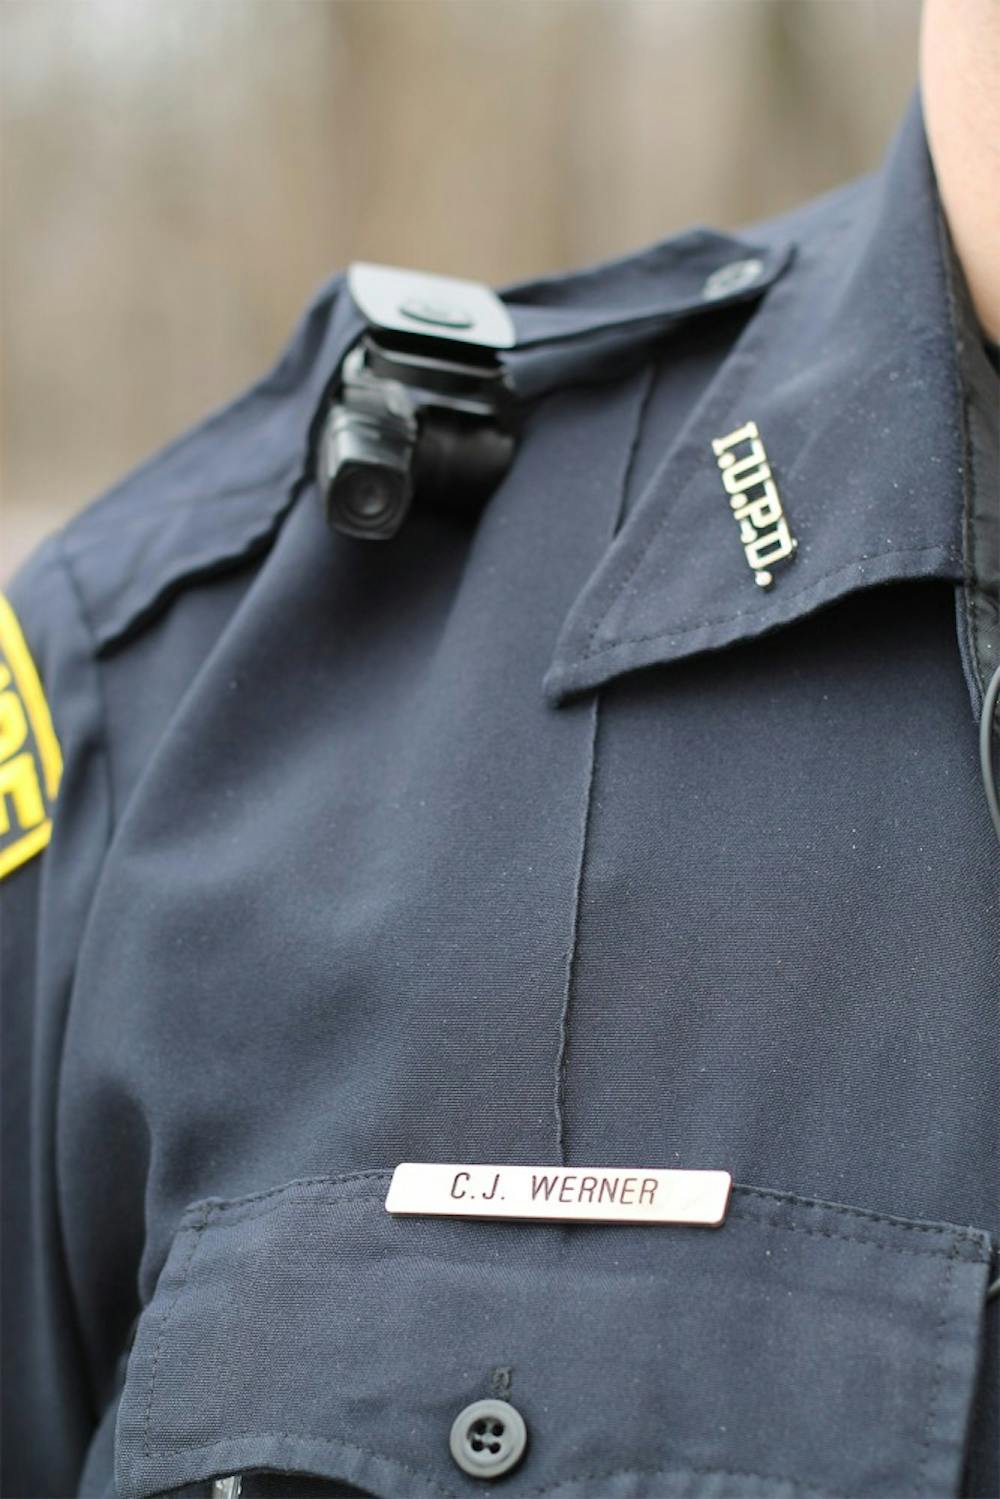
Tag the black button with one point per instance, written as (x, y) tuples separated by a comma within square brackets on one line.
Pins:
[(731, 278), (488, 1438)]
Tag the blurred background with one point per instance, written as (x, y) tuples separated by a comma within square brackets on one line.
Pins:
[(177, 176)]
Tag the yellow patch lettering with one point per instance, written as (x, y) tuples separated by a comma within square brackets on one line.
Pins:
[(30, 758)]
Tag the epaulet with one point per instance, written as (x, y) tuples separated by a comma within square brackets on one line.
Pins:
[(207, 502)]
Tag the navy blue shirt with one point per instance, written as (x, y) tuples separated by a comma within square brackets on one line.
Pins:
[(574, 835)]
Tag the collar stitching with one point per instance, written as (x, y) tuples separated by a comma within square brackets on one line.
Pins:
[(725, 619)]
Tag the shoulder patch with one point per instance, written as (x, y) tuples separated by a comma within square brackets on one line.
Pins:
[(30, 758)]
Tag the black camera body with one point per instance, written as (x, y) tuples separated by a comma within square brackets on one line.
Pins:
[(423, 411)]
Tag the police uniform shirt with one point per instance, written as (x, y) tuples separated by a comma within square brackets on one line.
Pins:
[(555, 838)]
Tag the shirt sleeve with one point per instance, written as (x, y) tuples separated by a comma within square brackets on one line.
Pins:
[(56, 820)]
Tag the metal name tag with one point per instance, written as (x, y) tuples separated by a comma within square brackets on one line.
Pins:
[(558, 1194)]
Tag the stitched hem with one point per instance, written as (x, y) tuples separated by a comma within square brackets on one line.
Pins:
[(646, 383), (778, 618)]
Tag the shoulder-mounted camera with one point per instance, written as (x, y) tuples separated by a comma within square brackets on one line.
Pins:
[(422, 411)]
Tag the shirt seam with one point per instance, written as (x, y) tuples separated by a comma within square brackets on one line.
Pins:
[(948, 1251), (62, 556), (60, 563)]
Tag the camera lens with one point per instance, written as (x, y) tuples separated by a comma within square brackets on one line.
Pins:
[(368, 499)]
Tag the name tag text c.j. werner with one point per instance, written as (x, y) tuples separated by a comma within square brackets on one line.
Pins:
[(597, 1194)]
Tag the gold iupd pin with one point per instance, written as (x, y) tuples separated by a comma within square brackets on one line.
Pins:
[(762, 521), (560, 1194)]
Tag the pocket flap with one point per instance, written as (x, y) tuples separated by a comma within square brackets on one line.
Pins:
[(802, 1348)]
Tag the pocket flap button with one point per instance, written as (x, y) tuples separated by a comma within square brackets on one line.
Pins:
[(488, 1438)]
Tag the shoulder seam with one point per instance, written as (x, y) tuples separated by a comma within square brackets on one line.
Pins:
[(86, 623)]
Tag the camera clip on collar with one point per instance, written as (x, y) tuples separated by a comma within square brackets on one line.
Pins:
[(422, 410)]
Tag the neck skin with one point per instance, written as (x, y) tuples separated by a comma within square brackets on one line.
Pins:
[(960, 86)]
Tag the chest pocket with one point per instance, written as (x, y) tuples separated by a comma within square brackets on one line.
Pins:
[(801, 1349)]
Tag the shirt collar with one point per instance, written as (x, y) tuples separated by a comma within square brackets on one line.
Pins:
[(849, 372)]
